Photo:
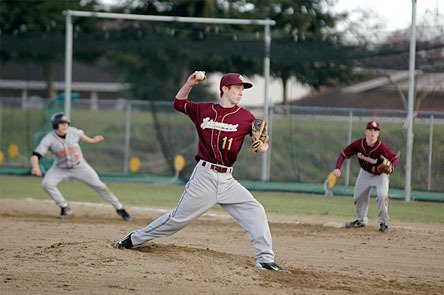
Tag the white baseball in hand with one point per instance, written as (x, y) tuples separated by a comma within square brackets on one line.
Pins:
[(200, 75)]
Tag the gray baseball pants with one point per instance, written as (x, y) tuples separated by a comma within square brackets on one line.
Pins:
[(363, 187), (82, 172), (205, 189)]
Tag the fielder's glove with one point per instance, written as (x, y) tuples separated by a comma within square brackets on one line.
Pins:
[(385, 166), (259, 134)]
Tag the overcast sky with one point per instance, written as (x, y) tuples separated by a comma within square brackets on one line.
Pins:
[(397, 14)]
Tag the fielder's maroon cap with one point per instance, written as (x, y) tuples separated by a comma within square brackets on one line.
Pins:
[(233, 79), (373, 125)]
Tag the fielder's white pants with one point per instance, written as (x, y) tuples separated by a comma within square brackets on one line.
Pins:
[(363, 187)]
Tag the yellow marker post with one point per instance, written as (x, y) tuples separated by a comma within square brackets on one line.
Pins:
[(2, 157), (134, 164), (179, 163), (13, 151)]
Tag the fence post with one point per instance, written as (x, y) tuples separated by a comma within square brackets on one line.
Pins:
[(127, 137), (265, 175), (349, 140), (94, 101), (429, 168), (24, 98), (270, 146), (1, 112)]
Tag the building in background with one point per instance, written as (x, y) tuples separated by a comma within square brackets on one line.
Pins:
[(26, 82), (383, 92), (255, 95)]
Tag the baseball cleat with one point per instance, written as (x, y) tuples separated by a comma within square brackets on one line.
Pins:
[(383, 227), (124, 214), (353, 224), (125, 243), (65, 211), (271, 266)]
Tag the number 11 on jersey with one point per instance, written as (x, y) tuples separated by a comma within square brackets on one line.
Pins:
[(224, 144)]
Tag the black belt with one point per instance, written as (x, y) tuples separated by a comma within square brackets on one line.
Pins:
[(217, 168)]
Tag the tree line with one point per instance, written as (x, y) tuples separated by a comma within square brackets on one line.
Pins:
[(156, 57)]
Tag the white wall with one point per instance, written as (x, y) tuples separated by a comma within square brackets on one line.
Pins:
[(255, 95)]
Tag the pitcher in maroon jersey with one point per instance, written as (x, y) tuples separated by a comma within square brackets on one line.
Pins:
[(369, 150), (221, 128)]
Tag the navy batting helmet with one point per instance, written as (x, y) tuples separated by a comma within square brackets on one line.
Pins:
[(58, 118)]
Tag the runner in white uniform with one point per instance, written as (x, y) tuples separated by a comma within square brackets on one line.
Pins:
[(63, 143)]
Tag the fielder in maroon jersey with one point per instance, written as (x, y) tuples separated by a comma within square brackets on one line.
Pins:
[(369, 150), (221, 128)]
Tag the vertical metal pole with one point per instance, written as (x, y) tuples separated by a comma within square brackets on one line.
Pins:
[(411, 97), (429, 168), (265, 157), (349, 140), (127, 137), (270, 148), (94, 101), (24, 97), (1, 113), (68, 63)]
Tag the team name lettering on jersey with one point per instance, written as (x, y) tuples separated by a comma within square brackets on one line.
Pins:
[(68, 151), (367, 159), (207, 123)]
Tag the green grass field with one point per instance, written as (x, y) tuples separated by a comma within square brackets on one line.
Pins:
[(163, 196)]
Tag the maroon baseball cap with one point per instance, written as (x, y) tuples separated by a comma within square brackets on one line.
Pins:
[(373, 125), (233, 79)]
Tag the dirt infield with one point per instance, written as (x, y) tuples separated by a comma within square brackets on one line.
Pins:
[(42, 254)]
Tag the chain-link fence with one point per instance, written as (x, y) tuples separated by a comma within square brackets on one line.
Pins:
[(305, 141)]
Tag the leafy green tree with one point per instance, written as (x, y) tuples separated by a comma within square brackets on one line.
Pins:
[(305, 44), (33, 31), (165, 53)]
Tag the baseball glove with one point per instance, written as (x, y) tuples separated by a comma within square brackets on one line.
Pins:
[(259, 134), (385, 166), (330, 183)]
